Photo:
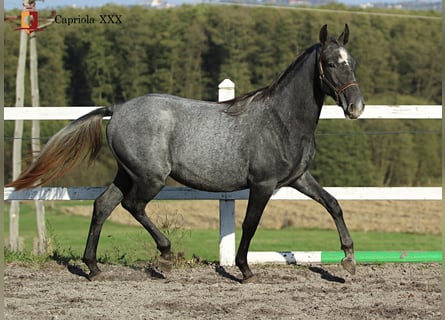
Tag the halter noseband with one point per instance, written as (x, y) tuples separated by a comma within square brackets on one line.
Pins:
[(336, 91)]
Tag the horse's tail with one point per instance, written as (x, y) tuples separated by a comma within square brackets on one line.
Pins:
[(80, 139)]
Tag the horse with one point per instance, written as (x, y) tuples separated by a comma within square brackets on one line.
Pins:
[(262, 140)]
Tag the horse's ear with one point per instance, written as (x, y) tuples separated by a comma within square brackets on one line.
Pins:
[(344, 37), (323, 34)]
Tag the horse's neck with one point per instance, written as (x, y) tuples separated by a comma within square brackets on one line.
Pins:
[(298, 98)]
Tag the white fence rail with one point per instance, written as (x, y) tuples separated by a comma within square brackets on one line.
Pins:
[(227, 204), (328, 112), (227, 199)]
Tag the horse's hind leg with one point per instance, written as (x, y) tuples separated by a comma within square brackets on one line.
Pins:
[(135, 202), (310, 187), (103, 206)]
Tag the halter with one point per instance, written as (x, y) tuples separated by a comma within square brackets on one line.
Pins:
[(332, 86)]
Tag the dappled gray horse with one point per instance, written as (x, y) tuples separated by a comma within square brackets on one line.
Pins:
[(262, 140)]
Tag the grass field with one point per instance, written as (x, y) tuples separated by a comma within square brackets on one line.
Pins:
[(127, 244)]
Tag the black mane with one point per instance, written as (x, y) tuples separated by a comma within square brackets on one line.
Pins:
[(240, 104)]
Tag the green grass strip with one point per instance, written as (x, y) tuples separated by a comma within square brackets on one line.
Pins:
[(384, 256)]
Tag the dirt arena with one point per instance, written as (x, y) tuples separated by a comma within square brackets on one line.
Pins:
[(390, 291)]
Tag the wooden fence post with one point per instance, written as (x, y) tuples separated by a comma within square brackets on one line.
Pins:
[(226, 207), (14, 244), (226, 90), (41, 243)]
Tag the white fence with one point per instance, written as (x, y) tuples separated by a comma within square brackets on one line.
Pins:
[(227, 199), (328, 112), (227, 204)]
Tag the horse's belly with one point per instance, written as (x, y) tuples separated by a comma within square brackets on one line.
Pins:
[(211, 170), (201, 183)]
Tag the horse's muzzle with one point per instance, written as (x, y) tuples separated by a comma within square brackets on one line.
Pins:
[(355, 109)]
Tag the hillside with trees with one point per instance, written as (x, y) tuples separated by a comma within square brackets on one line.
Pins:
[(189, 50)]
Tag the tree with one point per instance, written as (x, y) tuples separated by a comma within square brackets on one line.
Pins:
[(392, 151), (343, 155), (230, 31), (189, 50), (427, 145)]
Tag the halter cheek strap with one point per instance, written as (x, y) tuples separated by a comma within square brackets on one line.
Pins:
[(337, 91)]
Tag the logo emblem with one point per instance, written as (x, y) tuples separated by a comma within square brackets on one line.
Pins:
[(29, 18)]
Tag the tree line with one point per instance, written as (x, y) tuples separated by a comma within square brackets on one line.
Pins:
[(188, 50)]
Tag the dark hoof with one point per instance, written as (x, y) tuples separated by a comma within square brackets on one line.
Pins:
[(251, 279), (95, 276), (164, 265), (349, 265), (154, 274)]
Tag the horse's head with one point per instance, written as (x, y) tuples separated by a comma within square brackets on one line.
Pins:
[(336, 71)]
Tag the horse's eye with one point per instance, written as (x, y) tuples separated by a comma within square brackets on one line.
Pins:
[(331, 65)]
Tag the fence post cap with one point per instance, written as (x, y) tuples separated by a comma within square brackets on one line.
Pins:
[(226, 84)]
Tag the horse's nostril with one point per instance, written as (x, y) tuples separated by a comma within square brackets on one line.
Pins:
[(351, 108)]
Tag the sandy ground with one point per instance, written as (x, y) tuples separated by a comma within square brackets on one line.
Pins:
[(200, 291), (390, 291)]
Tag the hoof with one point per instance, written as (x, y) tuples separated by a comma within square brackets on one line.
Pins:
[(164, 265), (250, 279), (95, 276), (349, 265), (154, 274)]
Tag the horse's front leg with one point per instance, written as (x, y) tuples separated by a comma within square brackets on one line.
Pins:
[(258, 198), (307, 185)]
